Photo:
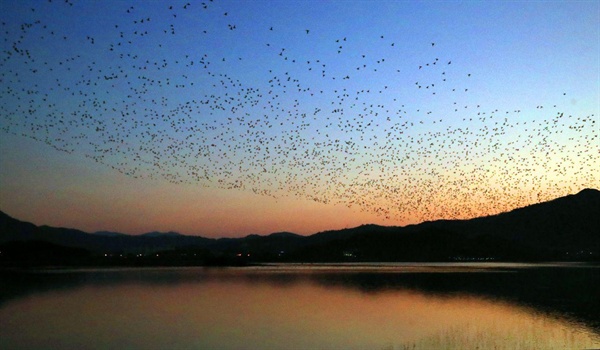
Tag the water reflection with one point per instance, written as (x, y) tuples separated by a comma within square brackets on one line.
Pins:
[(298, 307)]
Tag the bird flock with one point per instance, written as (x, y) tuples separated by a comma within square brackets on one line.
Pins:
[(175, 91)]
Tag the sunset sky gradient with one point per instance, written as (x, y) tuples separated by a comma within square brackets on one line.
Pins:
[(256, 117)]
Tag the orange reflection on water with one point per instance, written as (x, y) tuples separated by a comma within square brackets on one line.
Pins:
[(236, 311)]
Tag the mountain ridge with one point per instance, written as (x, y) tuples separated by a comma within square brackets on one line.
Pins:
[(551, 229)]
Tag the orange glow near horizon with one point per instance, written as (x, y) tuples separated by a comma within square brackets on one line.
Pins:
[(222, 213), (95, 198), (379, 113)]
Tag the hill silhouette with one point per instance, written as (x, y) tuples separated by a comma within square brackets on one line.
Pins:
[(566, 228)]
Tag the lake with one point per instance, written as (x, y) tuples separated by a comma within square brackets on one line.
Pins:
[(304, 306)]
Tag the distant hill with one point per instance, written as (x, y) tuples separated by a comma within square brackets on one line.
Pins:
[(567, 223), (109, 234), (161, 234), (566, 228), (101, 242)]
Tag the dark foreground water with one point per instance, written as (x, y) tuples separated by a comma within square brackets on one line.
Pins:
[(383, 306)]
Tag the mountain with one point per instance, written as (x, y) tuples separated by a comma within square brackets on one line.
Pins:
[(109, 234), (566, 223), (101, 242), (566, 228), (161, 234), (285, 235)]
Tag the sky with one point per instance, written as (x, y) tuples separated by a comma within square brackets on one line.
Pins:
[(229, 118)]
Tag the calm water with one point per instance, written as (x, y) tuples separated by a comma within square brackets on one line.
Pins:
[(390, 306)]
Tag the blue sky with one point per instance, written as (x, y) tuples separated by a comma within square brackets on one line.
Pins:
[(228, 118)]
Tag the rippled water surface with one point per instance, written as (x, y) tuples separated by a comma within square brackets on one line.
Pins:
[(361, 306)]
